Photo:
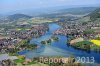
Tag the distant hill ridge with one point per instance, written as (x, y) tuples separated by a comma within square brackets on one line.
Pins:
[(79, 10), (18, 16), (74, 11), (95, 14)]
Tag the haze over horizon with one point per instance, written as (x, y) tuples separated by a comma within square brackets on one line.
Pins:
[(13, 5)]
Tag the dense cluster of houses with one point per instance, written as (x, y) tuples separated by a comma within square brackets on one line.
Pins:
[(7, 43), (6, 60), (35, 31), (16, 36), (78, 30)]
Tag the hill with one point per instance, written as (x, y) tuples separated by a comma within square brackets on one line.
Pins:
[(71, 11), (95, 14), (17, 17), (79, 10)]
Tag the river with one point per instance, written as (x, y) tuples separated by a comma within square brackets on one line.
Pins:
[(59, 48)]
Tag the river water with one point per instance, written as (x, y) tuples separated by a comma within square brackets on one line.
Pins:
[(59, 48)]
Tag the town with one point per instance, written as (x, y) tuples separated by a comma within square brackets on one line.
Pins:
[(64, 34)]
